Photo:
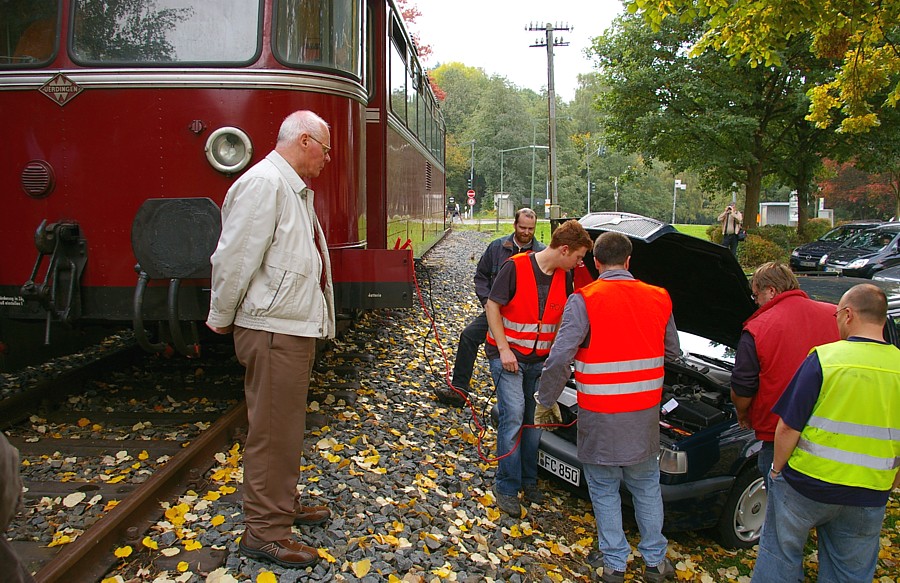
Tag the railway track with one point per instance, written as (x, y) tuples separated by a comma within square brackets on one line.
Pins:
[(112, 445), (104, 444)]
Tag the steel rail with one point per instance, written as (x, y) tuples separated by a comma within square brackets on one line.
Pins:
[(91, 555)]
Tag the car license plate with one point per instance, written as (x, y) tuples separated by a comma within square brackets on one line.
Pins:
[(833, 270), (808, 263), (558, 468)]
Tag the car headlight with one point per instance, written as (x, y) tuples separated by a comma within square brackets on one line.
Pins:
[(857, 263), (229, 150), (795, 253), (672, 461)]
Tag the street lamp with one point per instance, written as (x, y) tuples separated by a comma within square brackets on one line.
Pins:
[(678, 184), (587, 157), (533, 147)]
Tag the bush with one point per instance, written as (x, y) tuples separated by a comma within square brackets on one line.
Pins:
[(714, 234), (814, 229), (756, 250), (782, 235)]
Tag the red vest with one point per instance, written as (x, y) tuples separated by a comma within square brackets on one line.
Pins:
[(621, 369), (784, 330), (526, 332)]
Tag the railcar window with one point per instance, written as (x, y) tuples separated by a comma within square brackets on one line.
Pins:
[(411, 88), (326, 33), (165, 31), (398, 82), (28, 31)]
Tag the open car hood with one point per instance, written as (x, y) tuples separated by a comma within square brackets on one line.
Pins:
[(710, 293)]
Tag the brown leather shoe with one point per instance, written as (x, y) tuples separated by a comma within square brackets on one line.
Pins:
[(287, 553), (311, 515)]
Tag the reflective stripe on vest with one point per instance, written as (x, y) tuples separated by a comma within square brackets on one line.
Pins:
[(621, 370), (524, 329), (853, 436)]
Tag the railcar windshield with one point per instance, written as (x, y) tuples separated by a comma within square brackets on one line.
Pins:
[(151, 32), (28, 31), (325, 33)]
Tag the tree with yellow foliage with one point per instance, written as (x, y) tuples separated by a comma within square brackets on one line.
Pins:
[(861, 38)]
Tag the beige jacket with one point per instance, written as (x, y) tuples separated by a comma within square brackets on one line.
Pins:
[(731, 224), (266, 268)]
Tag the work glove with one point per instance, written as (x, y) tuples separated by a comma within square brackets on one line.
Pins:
[(547, 415)]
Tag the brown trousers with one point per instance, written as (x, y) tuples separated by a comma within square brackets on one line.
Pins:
[(276, 386)]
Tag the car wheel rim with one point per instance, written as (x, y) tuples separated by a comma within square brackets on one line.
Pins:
[(750, 511)]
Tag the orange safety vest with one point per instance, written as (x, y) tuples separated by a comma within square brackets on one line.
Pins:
[(621, 369), (526, 332)]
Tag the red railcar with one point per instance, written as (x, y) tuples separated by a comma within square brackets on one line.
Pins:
[(125, 123)]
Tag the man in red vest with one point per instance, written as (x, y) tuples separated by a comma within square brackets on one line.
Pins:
[(775, 340), (523, 312), (619, 330)]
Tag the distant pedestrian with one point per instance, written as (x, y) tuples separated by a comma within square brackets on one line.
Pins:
[(472, 337), (731, 220), (837, 451), (271, 286), (523, 313), (619, 331), (774, 341)]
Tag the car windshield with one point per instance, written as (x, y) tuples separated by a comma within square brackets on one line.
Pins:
[(705, 348), (841, 234), (872, 240)]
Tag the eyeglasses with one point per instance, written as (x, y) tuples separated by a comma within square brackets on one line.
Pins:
[(841, 310), (325, 149)]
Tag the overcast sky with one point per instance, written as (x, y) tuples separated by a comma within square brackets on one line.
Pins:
[(491, 35)]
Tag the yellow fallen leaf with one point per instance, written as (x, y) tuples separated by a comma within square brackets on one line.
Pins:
[(60, 540), (324, 554), (361, 568), (143, 455), (192, 545), (266, 577), (182, 567), (123, 552), (149, 543), (83, 422), (217, 520)]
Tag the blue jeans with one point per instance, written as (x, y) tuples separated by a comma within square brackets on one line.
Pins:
[(848, 538), (515, 402), (642, 480), (764, 460)]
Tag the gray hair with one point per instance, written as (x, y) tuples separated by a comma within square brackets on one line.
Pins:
[(298, 123)]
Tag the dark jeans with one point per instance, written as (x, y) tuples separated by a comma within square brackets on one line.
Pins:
[(731, 242), (471, 338)]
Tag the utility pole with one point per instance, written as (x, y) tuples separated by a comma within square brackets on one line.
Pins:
[(551, 42)]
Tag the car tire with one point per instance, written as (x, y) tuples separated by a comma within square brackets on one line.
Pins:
[(745, 511)]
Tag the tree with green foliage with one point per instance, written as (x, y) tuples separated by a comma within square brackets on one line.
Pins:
[(729, 124), (859, 37)]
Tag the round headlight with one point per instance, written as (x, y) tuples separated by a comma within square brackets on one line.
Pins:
[(229, 150)]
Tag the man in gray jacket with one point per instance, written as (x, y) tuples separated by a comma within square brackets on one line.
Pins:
[(498, 251), (271, 286)]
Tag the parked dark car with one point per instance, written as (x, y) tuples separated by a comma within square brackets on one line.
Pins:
[(806, 257), (891, 274), (708, 467), (866, 253)]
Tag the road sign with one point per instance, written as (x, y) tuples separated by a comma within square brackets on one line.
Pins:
[(470, 194), (471, 202)]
